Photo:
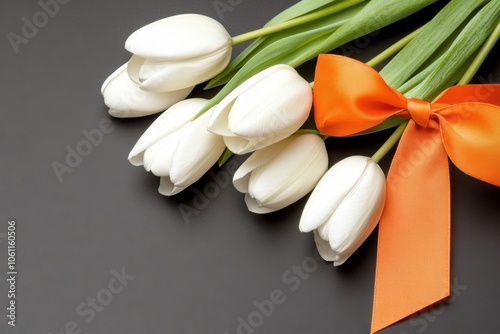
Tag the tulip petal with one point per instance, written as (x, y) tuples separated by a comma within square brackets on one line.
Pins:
[(158, 157), (239, 145), (198, 150), (126, 99), (167, 188), (112, 77), (255, 207), (323, 247), (291, 174), (258, 158), (324, 231), (179, 37), (159, 75), (330, 192), (168, 122), (133, 68), (358, 214), (218, 125), (219, 121), (276, 107)]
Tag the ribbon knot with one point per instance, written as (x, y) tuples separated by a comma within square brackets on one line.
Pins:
[(420, 111), (463, 124)]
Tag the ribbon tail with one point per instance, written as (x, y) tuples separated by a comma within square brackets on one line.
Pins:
[(413, 256)]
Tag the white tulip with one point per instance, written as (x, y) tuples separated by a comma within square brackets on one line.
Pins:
[(281, 174), (125, 99), (169, 122), (176, 149), (178, 52), (263, 110), (345, 207)]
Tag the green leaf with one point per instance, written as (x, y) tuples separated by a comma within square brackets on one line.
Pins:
[(409, 88), (432, 61), (261, 43), (407, 62), (481, 56), (375, 15), (301, 8), (226, 155), (419, 77), (296, 50), (465, 45)]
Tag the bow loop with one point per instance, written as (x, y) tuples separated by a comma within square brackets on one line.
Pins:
[(340, 112)]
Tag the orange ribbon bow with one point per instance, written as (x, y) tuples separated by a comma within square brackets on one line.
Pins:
[(463, 123)]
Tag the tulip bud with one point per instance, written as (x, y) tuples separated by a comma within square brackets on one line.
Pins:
[(178, 52), (345, 207), (125, 99), (281, 174), (177, 149), (263, 110)]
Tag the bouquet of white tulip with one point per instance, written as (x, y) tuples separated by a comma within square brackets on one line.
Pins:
[(172, 55), (264, 100), (264, 103)]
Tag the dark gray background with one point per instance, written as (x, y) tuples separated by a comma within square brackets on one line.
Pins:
[(188, 278)]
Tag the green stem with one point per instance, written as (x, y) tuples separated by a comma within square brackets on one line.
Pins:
[(294, 22), (312, 131), (481, 56), (390, 142), (390, 51), (308, 131), (466, 78)]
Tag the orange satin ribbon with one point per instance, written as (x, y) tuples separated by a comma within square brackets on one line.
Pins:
[(463, 123)]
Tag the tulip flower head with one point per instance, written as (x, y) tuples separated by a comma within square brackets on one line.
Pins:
[(125, 99), (178, 52), (176, 149), (345, 207), (268, 107), (281, 174)]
